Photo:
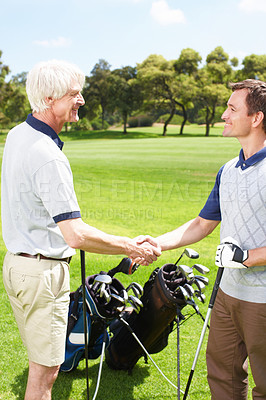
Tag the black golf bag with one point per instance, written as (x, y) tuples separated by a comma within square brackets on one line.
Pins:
[(162, 300)]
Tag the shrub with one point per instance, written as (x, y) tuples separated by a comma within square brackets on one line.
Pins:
[(83, 124), (140, 120), (97, 124)]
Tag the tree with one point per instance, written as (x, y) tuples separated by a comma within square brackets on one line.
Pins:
[(254, 67), (96, 91), (188, 62), (163, 87), (125, 92), (218, 66), (210, 95)]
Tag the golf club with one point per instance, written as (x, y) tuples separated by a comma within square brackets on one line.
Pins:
[(202, 279), (126, 266), (190, 253), (135, 303), (210, 307), (201, 268), (83, 277)]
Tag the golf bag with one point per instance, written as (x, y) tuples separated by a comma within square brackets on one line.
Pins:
[(161, 300), (99, 315)]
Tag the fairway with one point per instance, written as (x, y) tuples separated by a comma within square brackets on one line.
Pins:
[(131, 187)]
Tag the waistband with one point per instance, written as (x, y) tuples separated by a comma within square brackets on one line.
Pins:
[(41, 257)]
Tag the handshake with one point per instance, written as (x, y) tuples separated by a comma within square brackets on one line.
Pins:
[(143, 250), (229, 254)]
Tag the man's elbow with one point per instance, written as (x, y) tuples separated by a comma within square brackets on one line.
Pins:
[(72, 234)]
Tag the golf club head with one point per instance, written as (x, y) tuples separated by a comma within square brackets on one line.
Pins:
[(200, 296), (201, 268), (185, 270), (136, 288), (184, 292), (119, 298), (202, 279), (189, 289), (200, 285), (190, 253), (135, 303), (106, 279), (104, 294)]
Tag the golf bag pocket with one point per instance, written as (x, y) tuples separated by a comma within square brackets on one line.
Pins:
[(75, 340)]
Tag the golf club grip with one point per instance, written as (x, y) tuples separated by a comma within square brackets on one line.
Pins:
[(188, 384), (216, 286)]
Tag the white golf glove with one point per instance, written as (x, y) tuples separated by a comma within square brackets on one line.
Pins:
[(230, 255)]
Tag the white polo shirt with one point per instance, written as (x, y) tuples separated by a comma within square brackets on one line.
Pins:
[(37, 191)]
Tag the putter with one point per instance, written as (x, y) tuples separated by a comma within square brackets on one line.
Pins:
[(190, 253), (83, 277), (210, 307)]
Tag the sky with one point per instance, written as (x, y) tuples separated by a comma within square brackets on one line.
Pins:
[(126, 32)]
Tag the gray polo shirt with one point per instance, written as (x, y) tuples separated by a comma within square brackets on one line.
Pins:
[(37, 191)]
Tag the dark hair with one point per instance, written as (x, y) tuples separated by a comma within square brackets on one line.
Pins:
[(256, 97)]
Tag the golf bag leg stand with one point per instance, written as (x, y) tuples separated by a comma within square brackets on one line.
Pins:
[(83, 278), (210, 307)]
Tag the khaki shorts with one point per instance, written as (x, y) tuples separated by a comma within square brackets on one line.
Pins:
[(39, 295)]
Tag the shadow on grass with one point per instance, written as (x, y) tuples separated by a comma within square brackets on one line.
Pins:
[(114, 385)]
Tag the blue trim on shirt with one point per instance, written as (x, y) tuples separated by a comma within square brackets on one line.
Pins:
[(44, 128), (67, 215), (212, 210), (244, 164)]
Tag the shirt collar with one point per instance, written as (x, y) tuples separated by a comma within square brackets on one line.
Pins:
[(244, 164), (44, 128)]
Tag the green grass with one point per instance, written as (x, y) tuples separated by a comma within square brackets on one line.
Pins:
[(148, 185)]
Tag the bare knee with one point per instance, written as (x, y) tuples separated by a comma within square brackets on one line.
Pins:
[(40, 381)]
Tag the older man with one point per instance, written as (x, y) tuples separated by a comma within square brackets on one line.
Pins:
[(42, 222)]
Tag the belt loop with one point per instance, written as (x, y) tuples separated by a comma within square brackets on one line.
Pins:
[(38, 257)]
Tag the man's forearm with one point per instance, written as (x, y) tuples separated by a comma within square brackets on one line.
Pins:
[(191, 232), (80, 235), (256, 257)]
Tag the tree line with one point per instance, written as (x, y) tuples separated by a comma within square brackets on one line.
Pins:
[(183, 91)]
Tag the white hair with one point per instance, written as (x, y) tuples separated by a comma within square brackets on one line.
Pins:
[(53, 79)]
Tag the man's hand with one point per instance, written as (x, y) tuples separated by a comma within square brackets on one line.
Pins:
[(145, 250), (229, 254)]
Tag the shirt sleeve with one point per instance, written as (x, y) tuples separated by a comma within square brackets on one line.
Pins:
[(53, 185), (211, 209)]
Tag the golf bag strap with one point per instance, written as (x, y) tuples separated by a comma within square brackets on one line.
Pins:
[(73, 317)]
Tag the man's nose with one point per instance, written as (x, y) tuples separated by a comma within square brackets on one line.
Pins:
[(81, 100)]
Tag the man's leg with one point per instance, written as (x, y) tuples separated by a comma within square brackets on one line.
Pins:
[(40, 381), (254, 327), (226, 354)]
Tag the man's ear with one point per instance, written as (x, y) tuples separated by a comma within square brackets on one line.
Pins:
[(49, 101), (258, 118)]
